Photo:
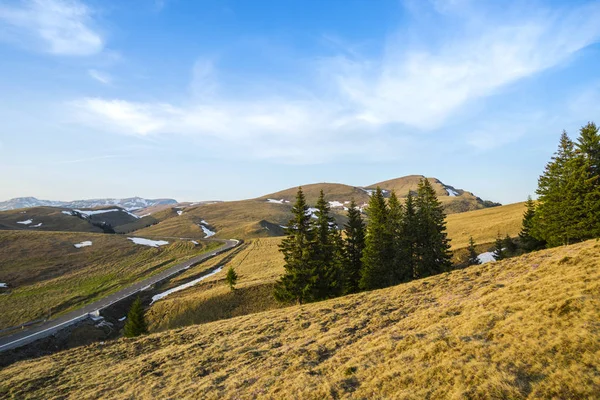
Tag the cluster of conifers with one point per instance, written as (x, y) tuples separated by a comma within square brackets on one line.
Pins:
[(401, 242)]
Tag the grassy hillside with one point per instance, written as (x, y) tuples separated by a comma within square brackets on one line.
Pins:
[(51, 218), (519, 328), (259, 263), (484, 225), (46, 273)]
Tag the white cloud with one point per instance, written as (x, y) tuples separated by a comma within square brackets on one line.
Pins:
[(100, 76), (61, 27), (373, 102)]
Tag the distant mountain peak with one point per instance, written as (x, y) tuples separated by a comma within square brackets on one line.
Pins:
[(129, 204)]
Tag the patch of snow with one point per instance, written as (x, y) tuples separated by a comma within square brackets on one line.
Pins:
[(185, 285), (67, 213), (83, 244), (452, 192), (311, 211), (283, 226), (193, 241), (204, 222), (206, 231), (336, 204), (26, 222), (3, 285), (94, 212), (36, 226), (148, 242), (486, 257), (122, 318), (179, 212), (277, 201)]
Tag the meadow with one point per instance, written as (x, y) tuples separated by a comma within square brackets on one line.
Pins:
[(47, 275), (525, 327)]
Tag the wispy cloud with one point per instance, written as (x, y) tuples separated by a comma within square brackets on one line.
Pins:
[(88, 159), (100, 76), (410, 87), (62, 27)]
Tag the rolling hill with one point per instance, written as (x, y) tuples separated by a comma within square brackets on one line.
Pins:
[(53, 272), (525, 327), (267, 215)]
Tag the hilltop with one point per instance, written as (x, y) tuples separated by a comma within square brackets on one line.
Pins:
[(269, 214), (129, 204), (520, 328)]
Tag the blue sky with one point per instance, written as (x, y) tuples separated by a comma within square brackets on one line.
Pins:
[(200, 100)]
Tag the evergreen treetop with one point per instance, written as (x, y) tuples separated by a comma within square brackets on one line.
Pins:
[(354, 244), (473, 257), (135, 325)]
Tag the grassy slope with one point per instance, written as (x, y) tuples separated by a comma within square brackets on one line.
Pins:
[(521, 328), (52, 219), (259, 264), (46, 272)]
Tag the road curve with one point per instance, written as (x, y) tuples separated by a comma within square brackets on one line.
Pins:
[(50, 327)]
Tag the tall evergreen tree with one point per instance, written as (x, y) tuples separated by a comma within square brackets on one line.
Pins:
[(377, 258), (588, 144), (325, 255), (473, 258), (401, 268), (528, 242), (432, 244), (136, 322), (296, 282), (354, 244), (554, 220), (499, 253), (410, 227)]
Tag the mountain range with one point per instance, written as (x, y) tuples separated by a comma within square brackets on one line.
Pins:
[(129, 204)]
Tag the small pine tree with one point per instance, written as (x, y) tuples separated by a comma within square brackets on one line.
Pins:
[(354, 244), (136, 322), (473, 258), (510, 248), (499, 253), (528, 242), (231, 278)]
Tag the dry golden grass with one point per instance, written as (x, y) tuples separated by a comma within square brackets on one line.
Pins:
[(484, 225), (526, 327), (257, 263), (45, 272)]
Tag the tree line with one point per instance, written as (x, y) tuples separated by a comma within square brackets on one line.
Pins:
[(403, 241), (568, 205)]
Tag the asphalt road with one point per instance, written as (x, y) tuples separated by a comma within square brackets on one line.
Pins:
[(50, 327)]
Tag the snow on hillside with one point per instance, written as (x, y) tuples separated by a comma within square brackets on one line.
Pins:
[(185, 285), (282, 201), (207, 232), (83, 244), (451, 192), (3, 285), (129, 204), (26, 222), (486, 257), (36, 226), (148, 242)]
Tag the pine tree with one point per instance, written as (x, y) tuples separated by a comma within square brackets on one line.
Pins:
[(136, 322), (231, 278), (400, 266), (554, 221), (473, 258), (354, 244), (410, 226), (510, 248), (588, 144), (296, 282), (377, 258), (325, 256), (432, 244), (528, 242), (499, 253)]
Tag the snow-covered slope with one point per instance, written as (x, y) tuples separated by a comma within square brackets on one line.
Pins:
[(130, 204)]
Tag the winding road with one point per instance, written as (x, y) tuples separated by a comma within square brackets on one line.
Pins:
[(52, 326)]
